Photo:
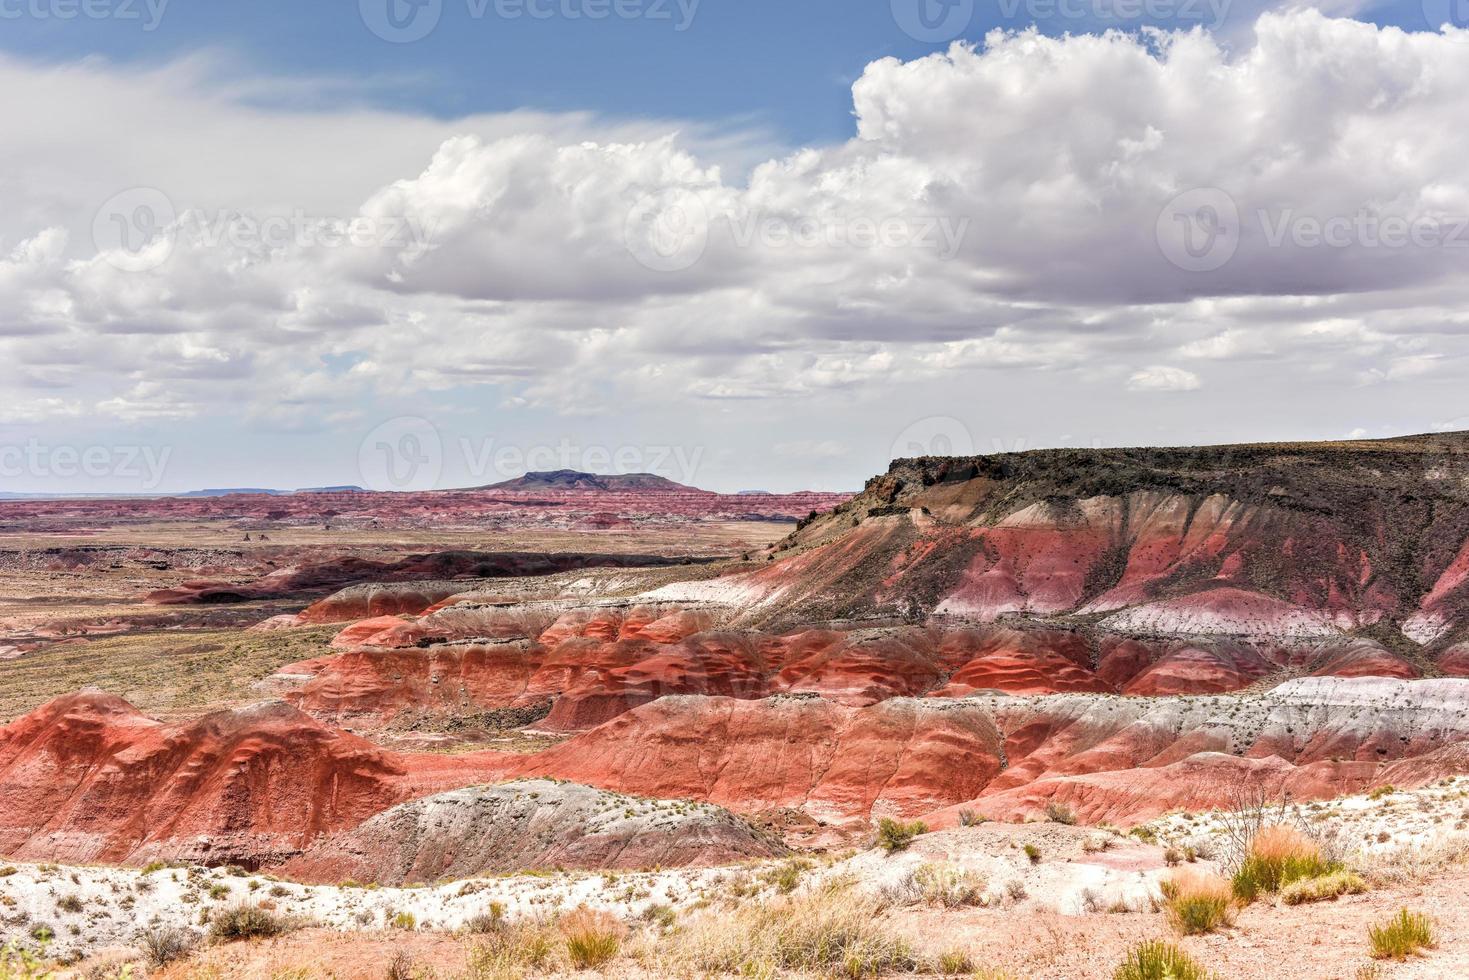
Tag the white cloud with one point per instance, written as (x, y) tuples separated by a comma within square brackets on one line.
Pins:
[(995, 215), (1160, 377)]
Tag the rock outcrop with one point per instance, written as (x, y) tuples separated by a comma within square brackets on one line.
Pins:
[(527, 825)]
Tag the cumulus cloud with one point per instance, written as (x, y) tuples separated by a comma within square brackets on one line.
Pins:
[(1160, 377), (1060, 209)]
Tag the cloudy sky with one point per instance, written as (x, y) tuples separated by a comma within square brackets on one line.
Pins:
[(413, 243)]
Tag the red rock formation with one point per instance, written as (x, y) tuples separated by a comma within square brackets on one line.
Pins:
[(88, 778), (835, 762)]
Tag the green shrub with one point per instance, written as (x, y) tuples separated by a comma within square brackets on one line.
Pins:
[(1278, 856), (968, 818), (164, 944), (953, 962), (403, 920), (1159, 960), (895, 835), (1060, 813), (1401, 936), (21, 964), (1033, 852), (245, 921), (1197, 903), (1323, 888), (592, 937), (1382, 791)]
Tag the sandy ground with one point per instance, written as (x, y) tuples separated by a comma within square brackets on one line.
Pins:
[(1070, 912)]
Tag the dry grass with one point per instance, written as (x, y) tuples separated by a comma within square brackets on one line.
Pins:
[(831, 931), (593, 937), (1323, 888), (165, 674), (1198, 902), (1277, 856), (1401, 936), (1159, 960), (949, 887)]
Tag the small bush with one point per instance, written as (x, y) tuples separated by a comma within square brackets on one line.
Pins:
[(1197, 903), (1033, 852), (513, 948), (1382, 791), (592, 937), (491, 920), (1159, 960), (968, 818), (1401, 936), (832, 930), (69, 903), (895, 835), (1323, 888), (954, 962), (403, 920), (245, 921), (948, 887), (400, 967), (164, 944), (1060, 813), (788, 875), (1278, 856)]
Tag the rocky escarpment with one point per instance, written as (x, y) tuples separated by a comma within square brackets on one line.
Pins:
[(593, 663), (1114, 759), (1282, 543), (526, 825)]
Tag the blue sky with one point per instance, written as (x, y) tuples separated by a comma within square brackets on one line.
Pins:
[(791, 348), (782, 64)]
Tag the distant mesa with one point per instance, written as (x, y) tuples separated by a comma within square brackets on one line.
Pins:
[(577, 480), (754, 493), (351, 489), (233, 491)]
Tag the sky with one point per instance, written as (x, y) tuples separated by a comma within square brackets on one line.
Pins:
[(408, 244)]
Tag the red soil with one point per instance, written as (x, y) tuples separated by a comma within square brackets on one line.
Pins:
[(87, 778)]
